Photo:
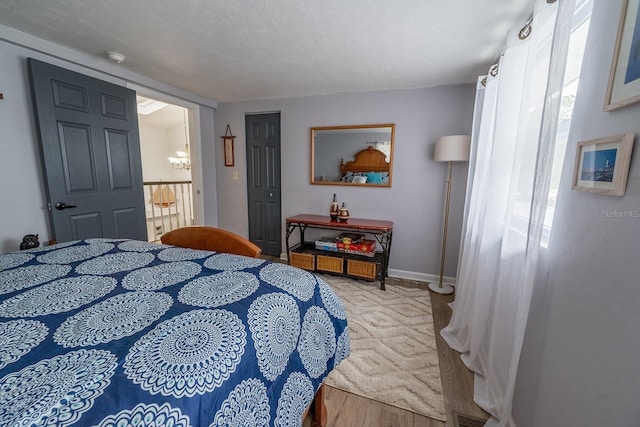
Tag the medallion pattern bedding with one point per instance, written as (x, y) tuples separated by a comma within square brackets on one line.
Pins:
[(104, 332)]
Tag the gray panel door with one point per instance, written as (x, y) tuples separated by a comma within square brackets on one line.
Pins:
[(263, 181), (88, 133)]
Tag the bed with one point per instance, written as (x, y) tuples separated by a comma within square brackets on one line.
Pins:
[(369, 166), (121, 332)]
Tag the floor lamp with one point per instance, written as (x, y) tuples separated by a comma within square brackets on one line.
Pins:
[(453, 148)]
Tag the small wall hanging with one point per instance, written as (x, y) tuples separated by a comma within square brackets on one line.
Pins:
[(228, 147)]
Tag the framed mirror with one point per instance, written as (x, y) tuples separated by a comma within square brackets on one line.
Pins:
[(360, 155)]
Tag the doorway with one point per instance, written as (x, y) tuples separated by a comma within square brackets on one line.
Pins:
[(165, 145), (263, 181)]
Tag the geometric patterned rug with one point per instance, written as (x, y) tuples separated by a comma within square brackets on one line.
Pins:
[(393, 349)]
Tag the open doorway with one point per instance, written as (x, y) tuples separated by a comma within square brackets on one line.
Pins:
[(165, 143)]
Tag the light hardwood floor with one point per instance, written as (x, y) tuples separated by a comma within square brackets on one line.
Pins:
[(349, 410)]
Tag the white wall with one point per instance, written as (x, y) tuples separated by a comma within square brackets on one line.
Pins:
[(415, 201), (582, 346), (21, 182), (154, 148)]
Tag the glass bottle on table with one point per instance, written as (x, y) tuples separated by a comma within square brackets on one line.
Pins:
[(334, 210)]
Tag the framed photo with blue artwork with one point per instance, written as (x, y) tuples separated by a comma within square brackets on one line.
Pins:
[(602, 165), (624, 78)]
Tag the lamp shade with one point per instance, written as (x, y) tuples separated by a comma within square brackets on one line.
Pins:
[(452, 148)]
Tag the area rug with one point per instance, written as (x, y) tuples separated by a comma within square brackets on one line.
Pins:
[(393, 349)]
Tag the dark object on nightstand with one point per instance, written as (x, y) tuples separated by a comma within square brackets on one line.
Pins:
[(29, 241)]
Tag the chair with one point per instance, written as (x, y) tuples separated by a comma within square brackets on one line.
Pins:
[(211, 239)]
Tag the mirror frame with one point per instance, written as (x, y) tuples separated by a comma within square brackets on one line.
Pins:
[(312, 180)]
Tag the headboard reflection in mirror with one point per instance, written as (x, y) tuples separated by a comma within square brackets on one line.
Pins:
[(352, 155)]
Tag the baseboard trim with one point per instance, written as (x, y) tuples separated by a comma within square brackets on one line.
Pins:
[(420, 277)]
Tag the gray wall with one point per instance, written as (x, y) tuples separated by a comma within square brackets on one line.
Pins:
[(23, 210), (415, 201), (21, 185), (582, 347)]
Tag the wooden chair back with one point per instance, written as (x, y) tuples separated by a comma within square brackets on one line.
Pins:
[(211, 239)]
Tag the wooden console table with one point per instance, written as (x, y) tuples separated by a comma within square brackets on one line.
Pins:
[(306, 256)]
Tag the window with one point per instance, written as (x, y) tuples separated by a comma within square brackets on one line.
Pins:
[(577, 42)]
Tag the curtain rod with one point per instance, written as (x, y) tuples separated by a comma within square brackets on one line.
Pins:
[(525, 32), (526, 29)]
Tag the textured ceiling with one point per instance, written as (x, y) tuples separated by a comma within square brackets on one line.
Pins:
[(231, 50)]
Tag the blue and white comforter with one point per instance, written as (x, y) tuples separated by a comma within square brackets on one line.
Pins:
[(121, 332)]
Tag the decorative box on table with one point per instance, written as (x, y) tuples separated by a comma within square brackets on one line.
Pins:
[(329, 264), (302, 260), (327, 244), (365, 247), (350, 238)]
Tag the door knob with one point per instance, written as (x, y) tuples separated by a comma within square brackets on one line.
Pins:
[(61, 206), (270, 194)]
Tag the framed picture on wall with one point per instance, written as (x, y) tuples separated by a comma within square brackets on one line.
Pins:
[(602, 165), (227, 139), (624, 79), (228, 152)]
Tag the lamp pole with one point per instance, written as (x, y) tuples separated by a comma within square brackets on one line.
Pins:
[(444, 289), (452, 148)]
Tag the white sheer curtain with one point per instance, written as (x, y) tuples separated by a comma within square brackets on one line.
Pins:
[(513, 135)]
